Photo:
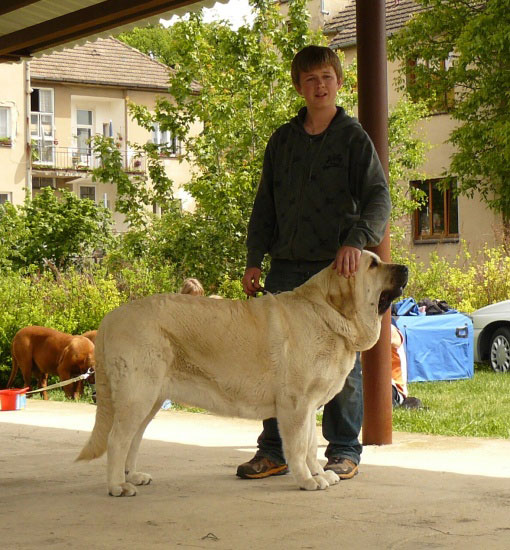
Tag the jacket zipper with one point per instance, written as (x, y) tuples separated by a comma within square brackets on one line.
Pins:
[(300, 192)]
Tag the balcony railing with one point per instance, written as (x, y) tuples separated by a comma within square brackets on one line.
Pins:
[(76, 159)]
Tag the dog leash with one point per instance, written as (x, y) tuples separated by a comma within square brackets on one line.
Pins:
[(65, 382), (260, 290)]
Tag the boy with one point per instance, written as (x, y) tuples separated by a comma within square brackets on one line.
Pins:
[(322, 198)]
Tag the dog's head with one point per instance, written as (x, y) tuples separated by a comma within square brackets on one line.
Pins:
[(388, 280), (362, 299)]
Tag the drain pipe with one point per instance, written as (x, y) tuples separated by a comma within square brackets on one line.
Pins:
[(28, 140)]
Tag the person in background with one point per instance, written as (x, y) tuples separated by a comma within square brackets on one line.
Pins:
[(192, 286), (400, 393)]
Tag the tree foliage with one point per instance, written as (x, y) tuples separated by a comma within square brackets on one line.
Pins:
[(245, 93), (236, 85), (474, 36), (135, 192), (52, 228)]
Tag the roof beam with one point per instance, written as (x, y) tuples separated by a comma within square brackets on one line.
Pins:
[(79, 24), (9, 6)]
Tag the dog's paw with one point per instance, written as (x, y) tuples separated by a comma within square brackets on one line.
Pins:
[(314, 483), (331, 477), (138, 478), (122, 490)]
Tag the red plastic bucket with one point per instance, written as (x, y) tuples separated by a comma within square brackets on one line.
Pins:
[(13, 400)]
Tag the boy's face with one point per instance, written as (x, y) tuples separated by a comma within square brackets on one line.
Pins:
[(319, 86)]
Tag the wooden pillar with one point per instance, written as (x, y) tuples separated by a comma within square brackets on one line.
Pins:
[(373, 116)]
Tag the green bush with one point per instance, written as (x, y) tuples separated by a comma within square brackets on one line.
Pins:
[(74, 303), (470, 282), (51, 227)]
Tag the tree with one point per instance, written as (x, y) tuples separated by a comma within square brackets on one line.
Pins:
[(135, 193), (13, 235), (464, 45), (245, 93), (406, 155), (59, 229), (242, 93)]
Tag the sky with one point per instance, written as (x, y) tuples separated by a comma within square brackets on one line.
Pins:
[(235, 11)]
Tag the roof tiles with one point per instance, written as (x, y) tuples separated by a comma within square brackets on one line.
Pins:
[(105, 62), (342, 27)]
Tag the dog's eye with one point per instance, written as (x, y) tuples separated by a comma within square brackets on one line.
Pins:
[(373, 263)]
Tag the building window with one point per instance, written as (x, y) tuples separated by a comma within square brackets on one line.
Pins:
[(444, 102), (438, 217), (108, 129), (39, 183), (83, 131), (5, 197), (42, 130), (5, 126), (88, 192), (170, 146)]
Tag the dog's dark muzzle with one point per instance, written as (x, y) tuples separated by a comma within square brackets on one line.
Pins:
[(399, 278)]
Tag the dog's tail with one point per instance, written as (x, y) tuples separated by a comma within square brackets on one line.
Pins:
[(96, 445), (14, 370)]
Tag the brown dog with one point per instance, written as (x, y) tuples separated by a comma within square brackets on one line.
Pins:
[(91, 335), (51, 352)]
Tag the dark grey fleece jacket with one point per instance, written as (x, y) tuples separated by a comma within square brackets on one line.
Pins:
[(318, 193)]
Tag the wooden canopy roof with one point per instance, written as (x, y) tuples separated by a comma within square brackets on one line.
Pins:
[(33, 27)]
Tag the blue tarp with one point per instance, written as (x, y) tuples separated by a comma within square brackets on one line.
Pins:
[(438, 347)]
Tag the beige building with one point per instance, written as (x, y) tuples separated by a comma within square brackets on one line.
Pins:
[(445, 222), (13, 133), (56, 103)]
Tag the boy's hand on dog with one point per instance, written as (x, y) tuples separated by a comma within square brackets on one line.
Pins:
[(347, 261), (251, 280)]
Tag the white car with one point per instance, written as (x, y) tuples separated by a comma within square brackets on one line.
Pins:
[(491, 326)]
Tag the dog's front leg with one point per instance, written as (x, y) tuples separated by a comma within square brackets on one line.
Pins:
[(294, 426), (42, 383), (311, 458)]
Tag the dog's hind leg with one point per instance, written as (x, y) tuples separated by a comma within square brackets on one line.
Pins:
[(126, 424), (132, 475), (294, 424), (132, 414)]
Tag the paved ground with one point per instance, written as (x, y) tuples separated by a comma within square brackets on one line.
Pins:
[(421, 492)]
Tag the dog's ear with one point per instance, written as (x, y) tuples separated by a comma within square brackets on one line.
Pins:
[(341, 295)]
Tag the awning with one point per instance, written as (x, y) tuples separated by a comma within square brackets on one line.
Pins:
[(36, 27)]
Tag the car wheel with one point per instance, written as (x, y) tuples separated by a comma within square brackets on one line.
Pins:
[(500, 350)]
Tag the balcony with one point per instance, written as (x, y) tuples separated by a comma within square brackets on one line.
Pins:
[(52, 161)]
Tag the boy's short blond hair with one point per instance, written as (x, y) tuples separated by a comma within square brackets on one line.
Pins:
[(193, 287), (310, 58)]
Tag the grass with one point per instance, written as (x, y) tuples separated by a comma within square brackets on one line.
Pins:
[(58, 393), (479, 407)]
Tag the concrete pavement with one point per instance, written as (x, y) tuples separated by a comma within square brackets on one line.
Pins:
[(419, 492)]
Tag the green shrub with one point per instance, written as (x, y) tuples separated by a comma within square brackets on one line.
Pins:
[(51, 227), (470, 282), (74, 303)]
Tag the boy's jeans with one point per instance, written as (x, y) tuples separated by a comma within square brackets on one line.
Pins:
[(343, 415)]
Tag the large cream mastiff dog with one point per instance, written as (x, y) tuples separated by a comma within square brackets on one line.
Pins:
[(279, 356)]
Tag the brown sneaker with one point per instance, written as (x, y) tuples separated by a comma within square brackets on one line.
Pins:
[(259, 467), (343, 467)]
